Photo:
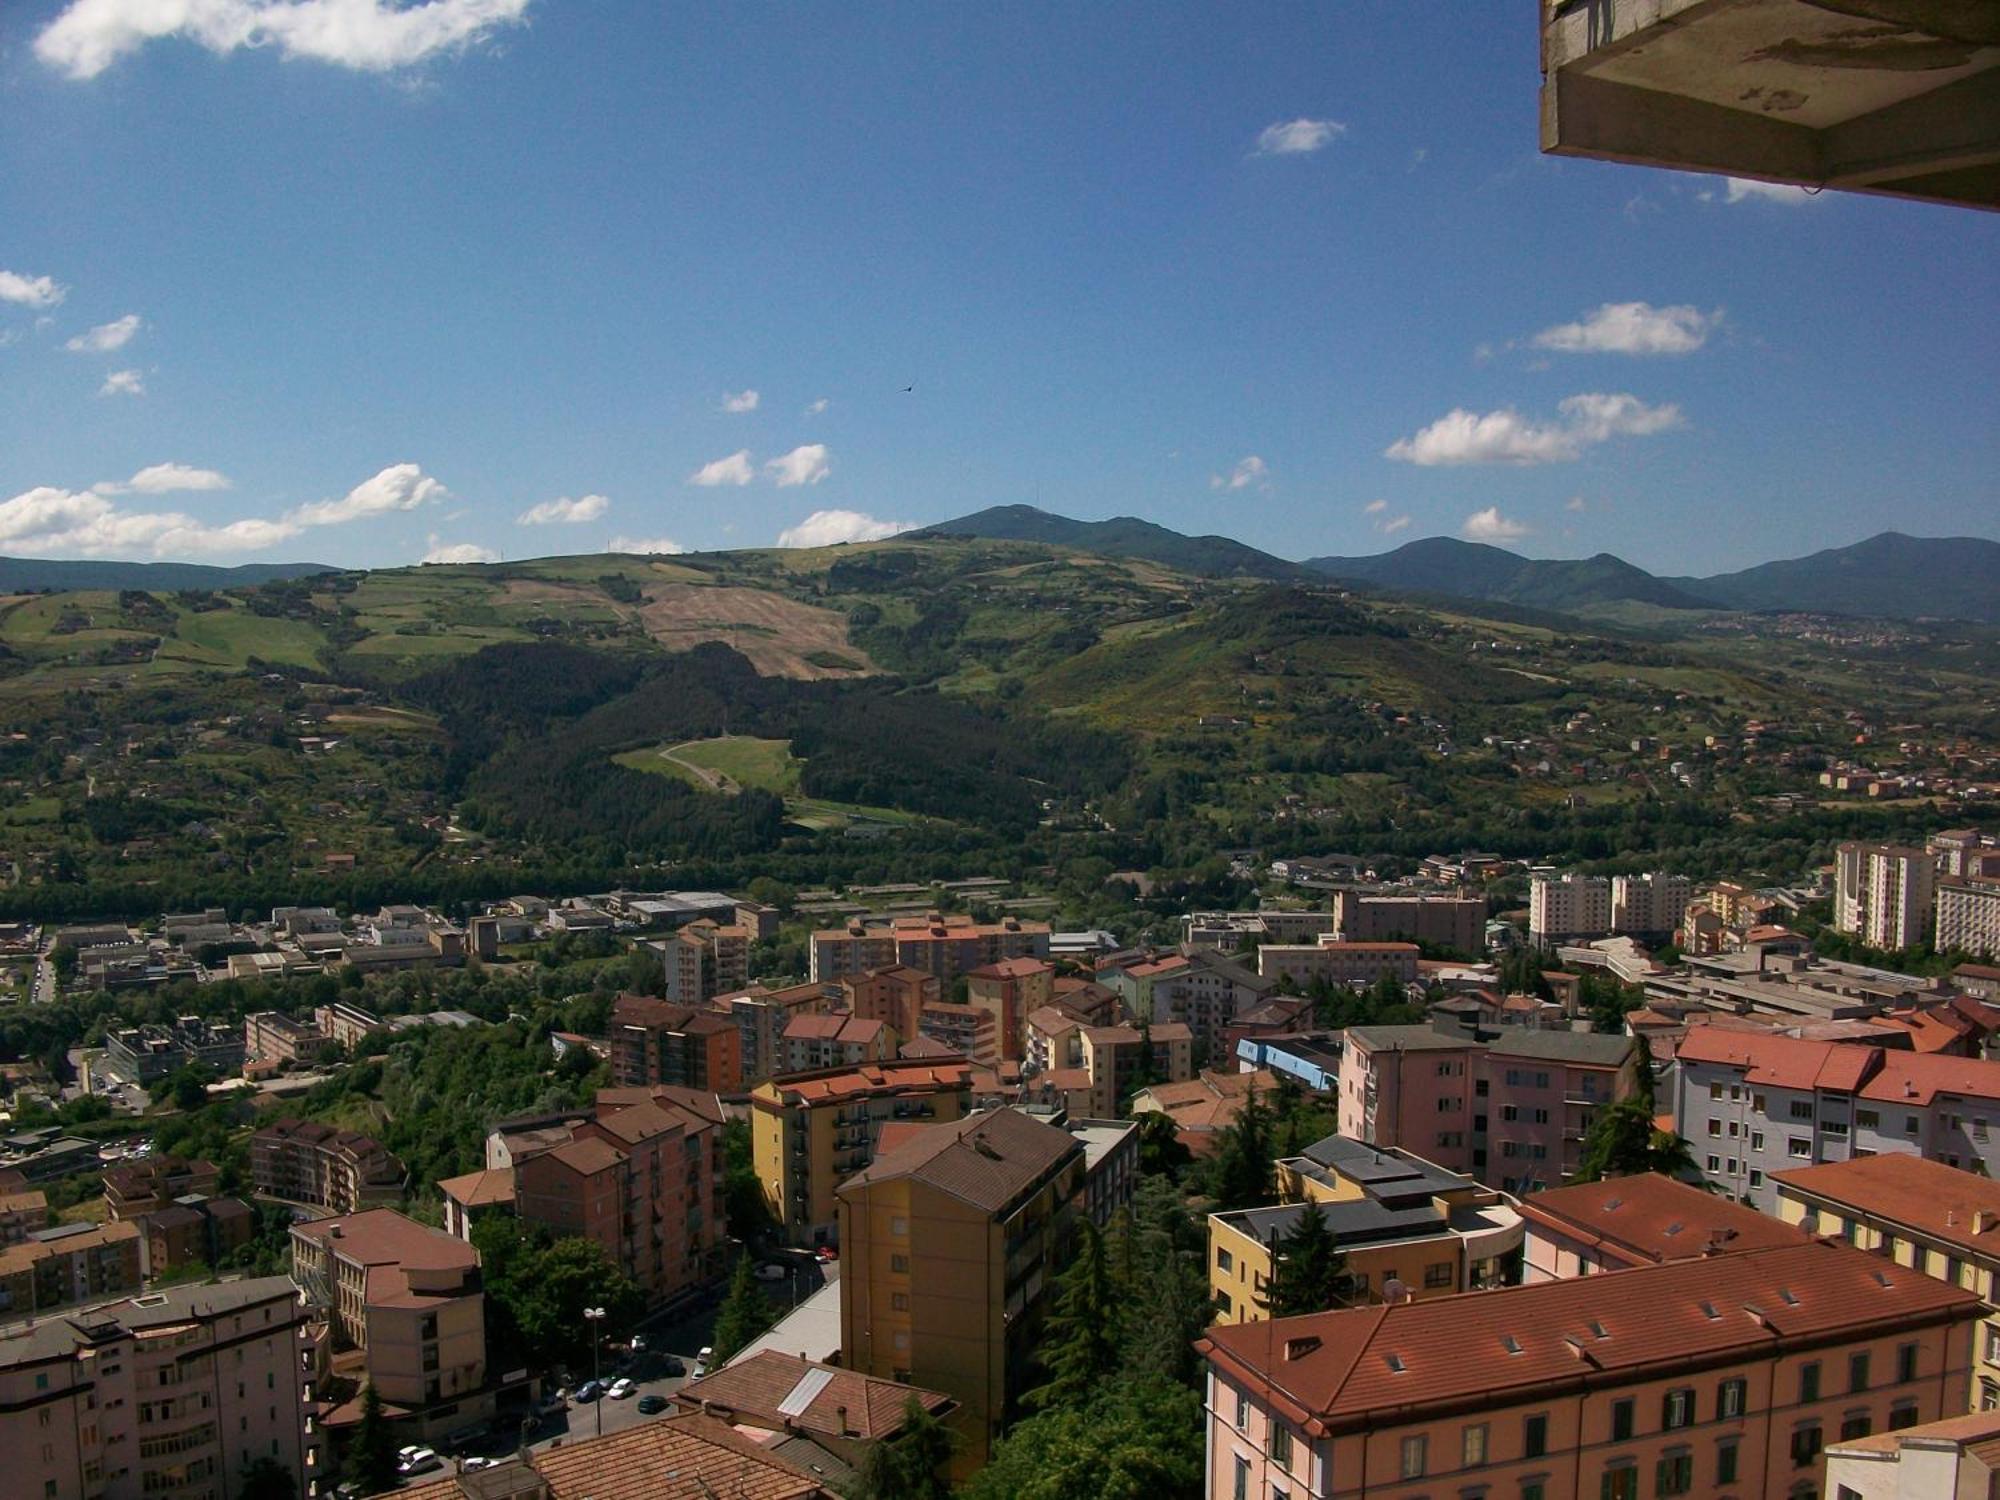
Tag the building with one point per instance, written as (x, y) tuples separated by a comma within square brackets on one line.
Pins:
[(475, 1195), (68, 1263), (346, 1023), (408, 1297), (272, 1037), (193, 1231), (1206, 1103), (173, 1393), (144, 1055), (22, 1210), (1648, 905), (1954, 1458), (1931, 1218), (1454, 922), (761, 1016), (133, 1188), (1010, 991), (1722, 1376), (1884, 893), (659, 1042), (1968, 916), (1409, 1086), (1535, 1095), (705, 959), (939, 945), (1751, 1104), (1405, 1227), (1352, 965), (894, 995), (300, 1161), (1572, 906), (1642, 1220), (1120, 1060), (836, 1040), (811, 1131), (1201, 989), (949, 1241)]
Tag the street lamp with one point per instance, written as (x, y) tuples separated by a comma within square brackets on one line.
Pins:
[(594, 1316)]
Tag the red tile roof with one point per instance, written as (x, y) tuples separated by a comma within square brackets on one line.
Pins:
[(1647, 1219), (834, 1085), (1941, 1202), (1780, 1061), (1916, 1078), (842, 1403)]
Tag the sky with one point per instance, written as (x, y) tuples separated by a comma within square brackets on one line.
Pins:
[(345, 282)]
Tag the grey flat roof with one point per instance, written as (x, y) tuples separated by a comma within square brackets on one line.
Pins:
[(1597, 1048), (1407, 1038), (1355, 1221), (59, 1336)]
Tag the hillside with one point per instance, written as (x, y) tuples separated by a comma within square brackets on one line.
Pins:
[(1122, 536), (1473, 570), (20, 575), (1890, 575)]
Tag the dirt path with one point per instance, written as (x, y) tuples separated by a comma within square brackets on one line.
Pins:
[(714, 780)]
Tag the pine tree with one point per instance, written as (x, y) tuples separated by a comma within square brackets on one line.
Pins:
[(1244, 1158), (371, 1454), (1165, 1295), (909, 1468), (1079, 1345), (746, 1314), (1309, 1272)]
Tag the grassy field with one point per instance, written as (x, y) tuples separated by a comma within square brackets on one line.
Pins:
[(728, 764), (231, 637)]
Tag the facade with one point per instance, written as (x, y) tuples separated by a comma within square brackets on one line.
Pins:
[(939, 945), (1931, 1218), (1122, 1059), (1955, 1458), (271, 1036), (1456, 922), (21, 1211), (1535, 1096), (660, 1042), (299, 1161), (1751, 1104), (133, 1188), (949, 1240), (1648, 905), (1409, 1086), (836, 1041), (1573, 906), (1883, 893), (705, 959), (810, 1132), (1354, 965), (1968, 916), (146, 1054), (172, 1393), (1010, 991), (894, 995), (1643, 1220), (1723, 1377), (761, 1016), (67, 1264)]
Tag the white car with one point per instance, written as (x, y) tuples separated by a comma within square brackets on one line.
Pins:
[(420, 1462), (621, 1388), (770, 1270), (701, 1362), (475, 1464)]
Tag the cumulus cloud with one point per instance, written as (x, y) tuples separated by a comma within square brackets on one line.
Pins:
[(735, 469), (1393, 525), (1632, 328), (1575, 503), (458, 552), (48, 519), (1249, 470), (1741, 189), (815, 408), (1297, 137), (123, 383), (827, 528), (370, 35), (105, 337), (805, 464), (30, 291), (1507, 437), (740, 401), (644, 545), (1374, 507), (564, 511), (397, 488), (1489, 525), (166, 479)]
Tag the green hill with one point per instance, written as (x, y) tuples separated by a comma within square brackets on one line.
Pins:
[(1889, 575), (1122, 536), (1474, 570), (20, 575)]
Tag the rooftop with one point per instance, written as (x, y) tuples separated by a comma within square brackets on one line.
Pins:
[(477, 1189), (987, 1160), (1940, 1202), (781, 1391), (836, 1085), (1407, 1039), (409, 1264), (1647, 1219), (60, 1336), (1585, 1048)]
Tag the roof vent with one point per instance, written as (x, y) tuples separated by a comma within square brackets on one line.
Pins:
[(1673, 1229), (1300, 1347), (1788, 1296), (1708, 1310), (1613, 1203), (1511, 1344), (1882, 1279), (1598, 1330), (1395, 1363), (1757, 1315)]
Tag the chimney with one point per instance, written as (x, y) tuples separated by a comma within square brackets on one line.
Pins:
[(840, 1417)]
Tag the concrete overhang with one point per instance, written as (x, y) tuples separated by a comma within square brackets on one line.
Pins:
[(1874, 96)]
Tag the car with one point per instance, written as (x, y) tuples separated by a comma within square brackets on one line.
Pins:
[(408, 1451), (621, 1388), (652, 1402), (672, 1366), (701, 1362), (474, 1464), (638, 1343), (770, 1270), (589, 1391), (825, 1254), (422, 1461)]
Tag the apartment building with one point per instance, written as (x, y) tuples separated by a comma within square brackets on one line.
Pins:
[(811, 1131), (1010, 991), (1642, 1220), (1953, 1458), (1456, 922), (1648, 905), (761, 1016), (475, 1196), (409, 1298), (836, 1041), (170, 1393), (1725, 1376), (1962, 851), (21, 1211), (1572, 906), (1405, 1227), (950, 1239), (641, 1175), (705, 959), (1932, 1218), (146, 1054), (1120, 1060), (1198, 988), (939, 945), (1968, 915), (193, 1230), (894, 995), (1352, 965), (962, 1030), (1410, 1086), (1884, 893), (133, 1188), (273, 1038), (1751, 1104), (1535, 1095), (68, 1263), (300, 1161), (658, 1041)]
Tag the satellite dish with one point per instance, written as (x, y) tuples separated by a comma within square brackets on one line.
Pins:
[(1395, 1291)]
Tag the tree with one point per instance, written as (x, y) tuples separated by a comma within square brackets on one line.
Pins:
[(537, 1289), (1079, 1347), (1623, 1142), (371, 1453), (1161, 1150), (743, 1205), (264, 1478), (1163, 1272), (911, 1467), (1242, 1172), (1309, 1272), (746, 1313), (1133, 1438)]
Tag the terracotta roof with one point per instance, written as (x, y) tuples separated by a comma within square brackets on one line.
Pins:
[(1010, 968), (1916, 1078), (701, 1103), (1976, 1432), (835, 1085), (918, 1048), (392, 1247), (835, 1026), (642, 1122), (1052, 1020), (986, 1160), (476, 1189), (1940, 1202), (778, 1391), (1207, 1102), (1649, 1218), (1333, 1370), (588, 1154), (1780, 1061), (1112, 1036)]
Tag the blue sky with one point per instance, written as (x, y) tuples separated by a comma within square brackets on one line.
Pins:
[(358, 286)]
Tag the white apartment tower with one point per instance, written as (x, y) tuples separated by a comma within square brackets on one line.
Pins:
[(1574, 906), (1652, 903), (1884, 893)]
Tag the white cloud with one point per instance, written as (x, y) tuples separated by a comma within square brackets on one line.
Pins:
[(827, 528), (564, 511), (1374, 507), (740, 401), (805, 464), (1249, 470), (106, 337), (1489, 525), (818, 406), (1742, 188), (123, 383), (458, 552), (1575, 503), (397, 488), (1507, 437), (1295, 137), (30, 291), (644, 544), (1393, 525), (735, 469), (1632, 328), (166, 479), (54, 520), (371, 35)]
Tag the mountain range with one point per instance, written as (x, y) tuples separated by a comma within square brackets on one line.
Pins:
[(25, 574)]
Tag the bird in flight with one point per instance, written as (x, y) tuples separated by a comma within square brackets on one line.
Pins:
[(907, 389)]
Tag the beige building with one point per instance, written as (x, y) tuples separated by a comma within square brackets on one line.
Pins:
[(705, 959), (69, 1263), (936, 944), (1349, 964), (1120, 1060), (1884, 893), (1955, 1458), (1968, 916), (949, 1242), (170, 1394)]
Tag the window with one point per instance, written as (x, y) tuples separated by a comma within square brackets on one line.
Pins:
[(1756, 1140), (1620, 1482), (1242, 1488), (1509, 1112), (1674, 1474), (1756, 1177), (1715, 1164), (1621, 1420), (1902, 1414), (1809, 1381), (1438, 1275), (1224, 1261), (900, 1264), (1906, 1363), (1725, 1462), (1534, 1489), (1856, 1426), (899, 1226), (1867, 1119), (1677, 1410), (1989, 1393), (1475, 1445), (1992, 1333), (1802, 1109), (1242, 1410), (1729, 1398), (1715, 1091), (899, 1301), (1535, 1436), (1281, 1445), (1798, 1146), (1857, 1371), (1416, 1456), (1805, 1445), (1734, 1129)]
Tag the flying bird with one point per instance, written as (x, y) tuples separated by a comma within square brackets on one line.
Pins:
[(907, 389)]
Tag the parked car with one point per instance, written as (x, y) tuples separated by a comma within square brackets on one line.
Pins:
[(651, 1403), (621, 1388), (671, 1366), (770, 1270), (407, 1452), (422, 1461), (701, 1362), (638, 1343), (474, 1464), (589, 1391), (826, 1253)]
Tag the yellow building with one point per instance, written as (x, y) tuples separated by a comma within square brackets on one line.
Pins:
[(949, 1243), (810, 1131), (1407, 1228), (1921, 1214)]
